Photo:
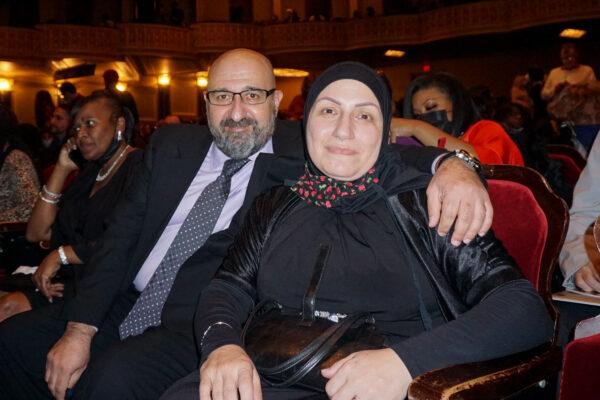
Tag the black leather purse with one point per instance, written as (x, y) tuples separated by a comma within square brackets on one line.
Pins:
[(290, 347)]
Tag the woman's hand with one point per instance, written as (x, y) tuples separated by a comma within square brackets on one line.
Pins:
[(228, 370), (587, 279), (42, 278), (366, 375), (64, 161)]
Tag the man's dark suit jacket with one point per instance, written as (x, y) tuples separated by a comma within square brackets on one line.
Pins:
[(171, 161)]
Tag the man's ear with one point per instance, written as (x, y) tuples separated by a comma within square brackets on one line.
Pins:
[(277, 96)]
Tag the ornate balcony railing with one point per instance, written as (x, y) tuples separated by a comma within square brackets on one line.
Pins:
[(159, 40), (154, 39), (57, 41)]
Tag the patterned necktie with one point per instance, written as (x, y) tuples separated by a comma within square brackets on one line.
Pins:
[(194, 231)]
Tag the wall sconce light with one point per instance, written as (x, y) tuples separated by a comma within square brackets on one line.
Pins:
[(202, 79), (6, 85), (121, 86), (164, 80)]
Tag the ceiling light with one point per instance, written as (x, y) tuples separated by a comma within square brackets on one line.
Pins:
[(121, 86), (572, 33), (395, 53), (164, 79), (289, 73)]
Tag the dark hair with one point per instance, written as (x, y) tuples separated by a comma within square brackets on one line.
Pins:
[(67, 87), (113, 102), (43, 101), (8, 130), (464, 112)]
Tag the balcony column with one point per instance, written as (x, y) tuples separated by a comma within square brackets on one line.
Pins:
[(262, 10), (341, 9), (212, 11)]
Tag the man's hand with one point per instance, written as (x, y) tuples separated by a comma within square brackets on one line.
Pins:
[(42, 278), (456, 193), (228, 370), (368, 375), (68, 358), (587, 279)]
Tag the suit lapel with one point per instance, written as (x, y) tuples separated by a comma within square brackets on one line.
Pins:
[(172, 179)]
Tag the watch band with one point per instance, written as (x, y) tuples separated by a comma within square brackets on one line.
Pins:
[(462, 155), (468, 159)]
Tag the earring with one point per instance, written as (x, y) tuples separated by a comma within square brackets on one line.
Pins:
[(119, 135)]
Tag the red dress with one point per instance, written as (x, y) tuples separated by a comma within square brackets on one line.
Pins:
[(492, 144)]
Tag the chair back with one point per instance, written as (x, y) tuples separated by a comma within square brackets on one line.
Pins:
[(572, 161), (530, 221)]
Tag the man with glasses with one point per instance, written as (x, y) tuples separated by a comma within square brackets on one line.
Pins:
[(128, 333)]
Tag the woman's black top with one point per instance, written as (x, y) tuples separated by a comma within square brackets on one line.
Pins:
[(370, 268), (81, 219)]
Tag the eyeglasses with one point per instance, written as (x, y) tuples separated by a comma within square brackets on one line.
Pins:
[(250, 96)]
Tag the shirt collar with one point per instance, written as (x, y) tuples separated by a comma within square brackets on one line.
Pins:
[(216, 158)]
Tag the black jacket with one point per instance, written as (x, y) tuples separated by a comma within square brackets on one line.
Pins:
[(463, 277)]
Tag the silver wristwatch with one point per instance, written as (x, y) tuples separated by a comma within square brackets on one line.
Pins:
[(468, 159)]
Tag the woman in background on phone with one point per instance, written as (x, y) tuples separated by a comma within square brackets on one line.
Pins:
[(72, 221), (441, 113)]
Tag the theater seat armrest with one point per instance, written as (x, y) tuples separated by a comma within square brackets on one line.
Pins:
[(493, 379)]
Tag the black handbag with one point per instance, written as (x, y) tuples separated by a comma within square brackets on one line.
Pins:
[(290, 347)]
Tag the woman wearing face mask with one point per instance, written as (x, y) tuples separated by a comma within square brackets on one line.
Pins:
[(440, 112), (72, 221), (361, 202)]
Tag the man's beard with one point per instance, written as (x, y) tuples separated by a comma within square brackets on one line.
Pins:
[(239, 145)]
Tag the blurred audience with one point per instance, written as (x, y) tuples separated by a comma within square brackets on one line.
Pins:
[(530, 139), (439, 111), (579, 107), (569, 73), (19, 183), (111, 78), (43, 109), (69, 94), (295, 110)]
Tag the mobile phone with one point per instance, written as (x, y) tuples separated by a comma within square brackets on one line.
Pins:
[(77, 158)]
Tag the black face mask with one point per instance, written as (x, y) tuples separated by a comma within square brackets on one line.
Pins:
[(439, 119)]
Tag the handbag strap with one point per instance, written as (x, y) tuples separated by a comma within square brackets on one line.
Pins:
[(308, 302)]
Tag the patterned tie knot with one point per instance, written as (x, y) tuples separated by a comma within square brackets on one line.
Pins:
[(232, 166)]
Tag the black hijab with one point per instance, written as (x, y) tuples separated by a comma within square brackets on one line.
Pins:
[(389, 174)]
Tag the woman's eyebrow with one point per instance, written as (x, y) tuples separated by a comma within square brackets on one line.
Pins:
[(367, 103), (330, 99)]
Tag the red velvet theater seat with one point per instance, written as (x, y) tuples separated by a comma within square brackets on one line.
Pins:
[(580, 378), (531, 222)]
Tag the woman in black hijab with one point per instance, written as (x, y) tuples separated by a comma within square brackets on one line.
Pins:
[(359, 199)]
